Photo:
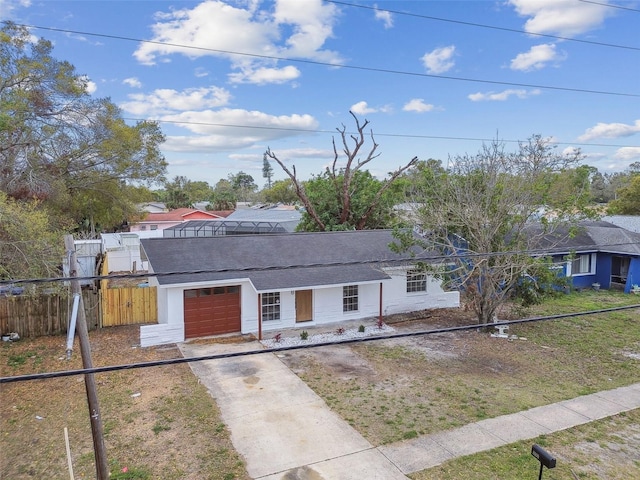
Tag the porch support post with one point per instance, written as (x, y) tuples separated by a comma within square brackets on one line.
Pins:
[(259, 317), (380, 302)]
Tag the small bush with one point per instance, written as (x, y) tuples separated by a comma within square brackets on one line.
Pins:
[(380, 324), (361, 329), (277, 337), (340, 331), (304, 335)]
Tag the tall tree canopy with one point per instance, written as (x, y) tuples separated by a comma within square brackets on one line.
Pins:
[(62, 147), (182, 192), (30, 242), (489, 210), (346, 197)]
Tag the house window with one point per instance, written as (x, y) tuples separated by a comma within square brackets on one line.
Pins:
[(154, 227), (143, 227), (270, 306), (581, 265), (350, 298), (416, 281)]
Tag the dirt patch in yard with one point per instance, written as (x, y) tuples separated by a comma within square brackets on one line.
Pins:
[(158, 422)]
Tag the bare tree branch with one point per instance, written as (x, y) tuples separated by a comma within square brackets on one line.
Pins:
[(299, 189)]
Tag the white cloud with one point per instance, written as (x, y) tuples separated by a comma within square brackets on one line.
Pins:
[(8, 6), (264, 75), (288, 155), (628, 153), (293, 29), (417, 105), (227, 129), (384, 16), (166, 100), (133, 82), (439, 60), (89, 86), (200, 72), (502, 96), (537, 57), (560, 17), (362, 108), (610, 130)]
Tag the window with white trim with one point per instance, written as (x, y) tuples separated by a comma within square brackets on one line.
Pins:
[(581, 265), (270, 306), (350, 298), (416, 281)]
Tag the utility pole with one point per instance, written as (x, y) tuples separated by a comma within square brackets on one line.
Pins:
[(102, 468)]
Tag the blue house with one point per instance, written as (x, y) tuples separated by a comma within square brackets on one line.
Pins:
[(601, 253)]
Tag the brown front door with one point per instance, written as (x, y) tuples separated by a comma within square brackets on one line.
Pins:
[(304, 305), (211, 311)]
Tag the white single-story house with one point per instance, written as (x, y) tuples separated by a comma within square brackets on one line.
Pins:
[(264, 283)]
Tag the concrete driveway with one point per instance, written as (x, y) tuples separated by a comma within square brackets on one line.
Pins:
[(279, 425)]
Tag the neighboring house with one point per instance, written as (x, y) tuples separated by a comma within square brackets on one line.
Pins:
[(152, 207), (207, 228), (285, 216), (601, 253), (256, 283), (628, 222), (153, 224)]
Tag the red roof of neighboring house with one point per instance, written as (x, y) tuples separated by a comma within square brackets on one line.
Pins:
[(184, 214)]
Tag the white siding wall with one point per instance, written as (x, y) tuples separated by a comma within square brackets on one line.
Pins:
[(396, 299), (327, 306)]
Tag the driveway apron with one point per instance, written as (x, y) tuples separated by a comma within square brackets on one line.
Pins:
[(279, 425)]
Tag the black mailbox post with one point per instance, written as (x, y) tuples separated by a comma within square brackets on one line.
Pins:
[(544, 457)]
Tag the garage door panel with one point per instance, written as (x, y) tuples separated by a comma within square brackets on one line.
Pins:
[(211, 311)]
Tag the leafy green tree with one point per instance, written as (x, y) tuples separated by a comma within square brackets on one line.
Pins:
[(281, 191), (56, 142), (346, 197), (30, 242), (182, 192), (223, 197), (487, 212), (244, 185), (628, 200)]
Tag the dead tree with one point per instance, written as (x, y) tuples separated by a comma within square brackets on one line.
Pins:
[(342, 177)]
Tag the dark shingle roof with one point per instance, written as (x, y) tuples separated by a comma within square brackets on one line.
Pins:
[(277, 261), (595, 236)]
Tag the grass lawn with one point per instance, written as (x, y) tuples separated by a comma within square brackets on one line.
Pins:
[(399, 389), (606, 449)]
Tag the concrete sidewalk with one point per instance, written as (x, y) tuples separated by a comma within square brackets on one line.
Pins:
[(285, 431), (432, 450)]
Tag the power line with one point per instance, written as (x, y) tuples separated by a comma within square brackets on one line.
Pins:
[(609, 5), (377, 134), (174, 361), (416, 259), (494, 27), (339, 65)]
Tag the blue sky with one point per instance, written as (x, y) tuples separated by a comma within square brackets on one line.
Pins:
[(430, 76)]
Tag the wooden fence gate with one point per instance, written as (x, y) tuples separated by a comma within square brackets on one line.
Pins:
[(128, 306)]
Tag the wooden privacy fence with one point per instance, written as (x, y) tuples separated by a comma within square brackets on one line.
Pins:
[(35, 316), (128, 306)]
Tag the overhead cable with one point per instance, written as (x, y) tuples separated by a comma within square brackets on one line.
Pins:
[(340, 65), (174, 361), (387, 261), (493, 27)]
